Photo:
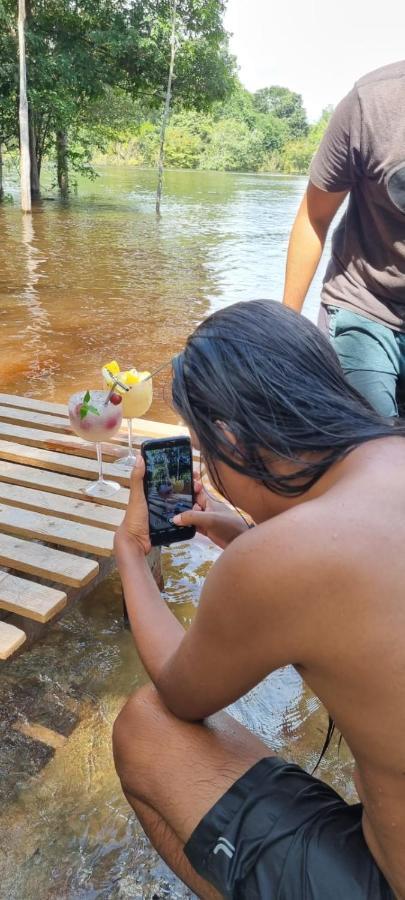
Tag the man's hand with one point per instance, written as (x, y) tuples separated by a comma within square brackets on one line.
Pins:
[(212, 518), (135, 525)]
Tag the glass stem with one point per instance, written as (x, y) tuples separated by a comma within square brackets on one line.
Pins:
[(130, 447), (100, 462)]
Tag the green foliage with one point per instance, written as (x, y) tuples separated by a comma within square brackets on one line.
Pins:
[(283, 104)]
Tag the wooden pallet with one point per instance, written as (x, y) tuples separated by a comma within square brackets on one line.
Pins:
[(56, 542)]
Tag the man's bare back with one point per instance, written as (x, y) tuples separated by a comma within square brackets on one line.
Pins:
[(358, 664)]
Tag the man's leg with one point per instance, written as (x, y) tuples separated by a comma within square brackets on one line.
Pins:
[(369, 356), (173, 772)]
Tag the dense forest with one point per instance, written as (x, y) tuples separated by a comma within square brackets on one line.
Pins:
[(97, 75)]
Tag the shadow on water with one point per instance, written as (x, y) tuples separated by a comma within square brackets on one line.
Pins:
[(82, 282)]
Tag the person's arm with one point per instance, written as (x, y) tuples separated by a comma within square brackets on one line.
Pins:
[(307, 240), (244, 628)]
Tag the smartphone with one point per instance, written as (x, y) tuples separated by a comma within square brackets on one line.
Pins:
[(168, 487)]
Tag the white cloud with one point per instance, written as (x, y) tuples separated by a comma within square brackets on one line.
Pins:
[(317, 48)]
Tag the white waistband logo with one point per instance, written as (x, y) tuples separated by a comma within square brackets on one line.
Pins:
[(226, 847)]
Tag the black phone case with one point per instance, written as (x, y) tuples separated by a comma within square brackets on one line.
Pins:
[(173, 534)]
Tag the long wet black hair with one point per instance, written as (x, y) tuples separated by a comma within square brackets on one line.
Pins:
[(274, 380)]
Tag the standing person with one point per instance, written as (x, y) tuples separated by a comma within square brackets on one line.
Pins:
[(317, 583), (363, 297)]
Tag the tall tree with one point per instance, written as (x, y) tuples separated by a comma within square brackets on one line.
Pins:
[(166, 111), (25, 156), (283, 104)]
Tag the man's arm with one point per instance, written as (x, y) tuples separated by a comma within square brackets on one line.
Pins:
[(307, 240)]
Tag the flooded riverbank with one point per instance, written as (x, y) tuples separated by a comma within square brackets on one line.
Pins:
[(81, 283)]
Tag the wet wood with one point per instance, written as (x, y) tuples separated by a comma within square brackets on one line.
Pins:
[(74, 510), (30, 599), (11, 638), (46, 562), (55, 482), (60, 462), (36, 526)]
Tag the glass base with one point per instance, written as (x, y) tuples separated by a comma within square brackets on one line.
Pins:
[(102, 488), (127, 461)]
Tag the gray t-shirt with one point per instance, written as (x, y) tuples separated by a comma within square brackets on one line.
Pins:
[(363, 151)]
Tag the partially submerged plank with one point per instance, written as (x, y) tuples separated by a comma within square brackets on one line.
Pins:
[(56, 482), (30, 599), (11, 638), (60, 462), (57, 505), (46, 562), (36, 526)]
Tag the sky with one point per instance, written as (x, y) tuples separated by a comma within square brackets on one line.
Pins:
[(315, 47)]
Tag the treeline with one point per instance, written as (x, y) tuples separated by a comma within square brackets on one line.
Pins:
[(266, 131), (83, 54), (97, 78)]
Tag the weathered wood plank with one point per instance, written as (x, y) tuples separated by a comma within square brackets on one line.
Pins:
[(30, 417), (52, 440), (57, 505), (60, 462), (46, 562), (11, 638), (143, 426), (55, 482), (57, 409), (36, 526), (30, 599)]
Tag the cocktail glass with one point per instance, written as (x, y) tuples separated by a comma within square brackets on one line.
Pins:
[(136, 400), (96, 419)]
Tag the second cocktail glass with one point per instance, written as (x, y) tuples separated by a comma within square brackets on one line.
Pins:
[(136, 400)]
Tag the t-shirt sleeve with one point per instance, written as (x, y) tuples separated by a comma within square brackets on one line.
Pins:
[(336, 165)]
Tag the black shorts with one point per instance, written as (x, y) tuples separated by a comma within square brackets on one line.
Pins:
[(281, 834)]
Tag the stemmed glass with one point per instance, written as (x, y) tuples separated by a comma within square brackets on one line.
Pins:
[(96, 416), (135, 403), (137, 395)]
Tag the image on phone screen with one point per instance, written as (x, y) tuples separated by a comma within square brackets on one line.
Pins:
[(169, 485)]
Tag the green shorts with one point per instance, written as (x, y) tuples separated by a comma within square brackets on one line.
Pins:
[(372, 356)]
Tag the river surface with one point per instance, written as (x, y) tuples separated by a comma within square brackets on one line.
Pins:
[(80, 283)]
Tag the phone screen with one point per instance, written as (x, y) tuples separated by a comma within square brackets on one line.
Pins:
[(168, 487)]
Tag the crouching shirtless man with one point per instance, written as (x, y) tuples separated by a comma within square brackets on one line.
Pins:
[(319, 583)]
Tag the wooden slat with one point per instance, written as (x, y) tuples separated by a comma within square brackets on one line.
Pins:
[(36, 526), (60, 462), (52, 440), (143, 426), (40, 429), (11, 638), (55, 482), (75, 510), (57, 409), (30, 599), (46, 562)]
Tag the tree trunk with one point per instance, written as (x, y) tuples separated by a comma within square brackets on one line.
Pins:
[(1, 173), (25, 160), (166, 111), (62, 162), (35, 166)]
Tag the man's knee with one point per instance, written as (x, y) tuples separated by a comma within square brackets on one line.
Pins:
[(135, 735)]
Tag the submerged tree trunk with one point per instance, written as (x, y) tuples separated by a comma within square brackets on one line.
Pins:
[(166, 111), (1, 172), (25, 160), (62, 162), (35, 166)]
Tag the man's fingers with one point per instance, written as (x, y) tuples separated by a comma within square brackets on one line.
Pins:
[(138, 472), (192, 517)]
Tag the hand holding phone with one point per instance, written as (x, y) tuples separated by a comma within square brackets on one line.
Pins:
[(168, 485)]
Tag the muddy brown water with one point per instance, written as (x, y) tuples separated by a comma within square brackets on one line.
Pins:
[(81, 283)]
